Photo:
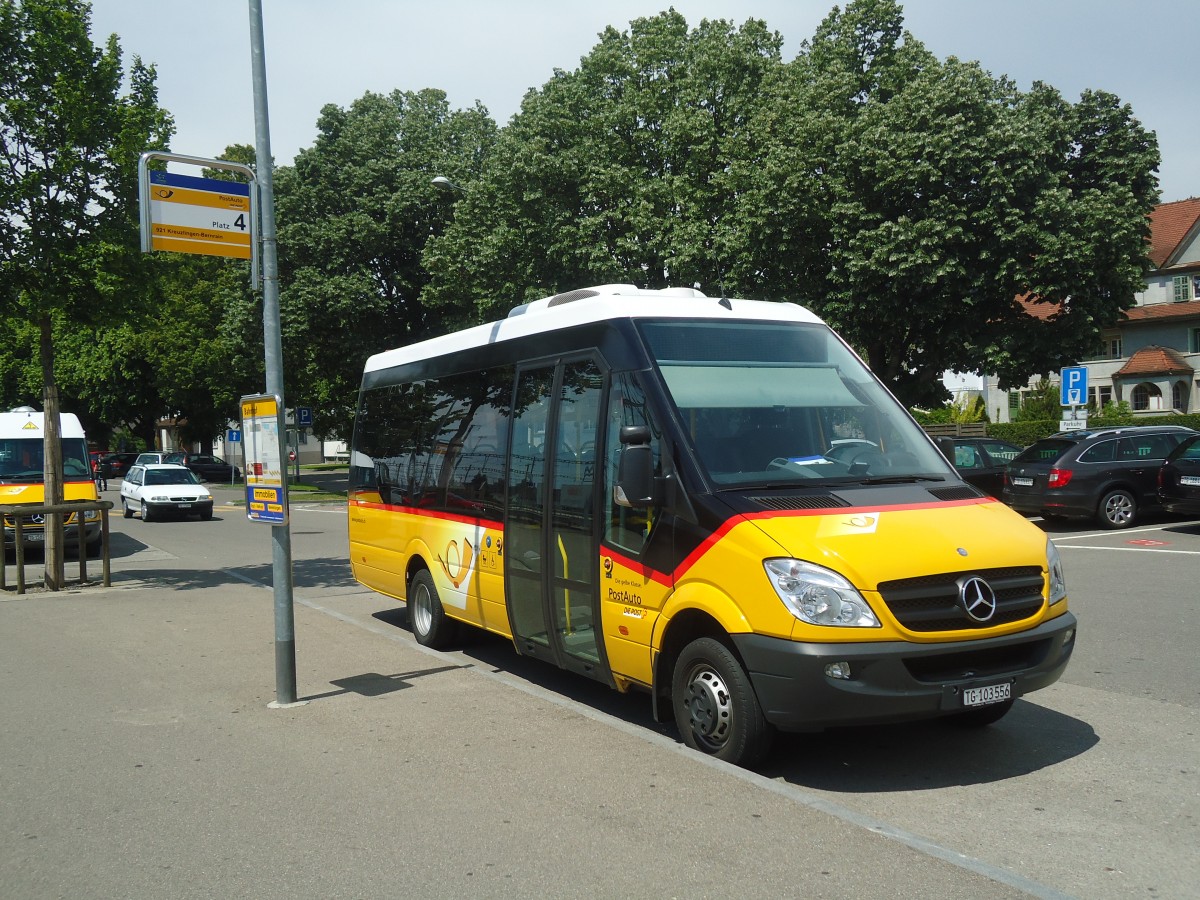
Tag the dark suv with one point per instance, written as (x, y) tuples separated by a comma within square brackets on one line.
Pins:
[(1109, 473), (1179, 479)]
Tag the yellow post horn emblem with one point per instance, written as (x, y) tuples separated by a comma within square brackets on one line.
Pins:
[(462, 565)]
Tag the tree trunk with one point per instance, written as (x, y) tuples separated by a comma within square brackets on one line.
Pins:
[(52, 455)]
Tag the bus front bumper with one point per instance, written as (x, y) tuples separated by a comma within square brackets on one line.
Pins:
[(35, 537), (896, 681)]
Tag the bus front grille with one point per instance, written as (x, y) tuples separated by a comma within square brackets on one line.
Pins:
[(932, 603)]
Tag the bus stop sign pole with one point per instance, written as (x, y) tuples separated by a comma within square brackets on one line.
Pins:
[(281, 556)]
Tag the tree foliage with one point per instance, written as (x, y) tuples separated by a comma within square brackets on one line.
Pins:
[(1040, 402), (70, 143), (907, 199), (910, 200), (186, 352), (618, 171), (355, 212)]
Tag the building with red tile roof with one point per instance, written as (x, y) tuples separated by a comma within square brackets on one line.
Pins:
[(1151, 356), (1155, 360), (1173, 228), (1153, 352)]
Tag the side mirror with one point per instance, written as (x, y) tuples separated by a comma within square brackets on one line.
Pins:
[(946, 445), (635, 471)]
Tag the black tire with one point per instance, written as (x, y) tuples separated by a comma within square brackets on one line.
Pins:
[(125, 510), (1117, 509), (146, 516), (983, 716), (430, 625), (716, 709)]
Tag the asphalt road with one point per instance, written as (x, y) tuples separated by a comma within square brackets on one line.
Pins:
[(140, 757)]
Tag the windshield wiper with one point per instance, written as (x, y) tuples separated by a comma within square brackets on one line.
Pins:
[(898, 479)]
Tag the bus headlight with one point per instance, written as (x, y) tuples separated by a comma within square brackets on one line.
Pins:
[(1058, 580), (818, 595)]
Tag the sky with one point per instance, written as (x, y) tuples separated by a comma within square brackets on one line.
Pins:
[(494, 51)]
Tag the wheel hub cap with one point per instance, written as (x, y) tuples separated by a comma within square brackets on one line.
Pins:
[(421, 613), (709, 707)]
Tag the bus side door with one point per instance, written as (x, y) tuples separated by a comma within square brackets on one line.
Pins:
[(551, 525)]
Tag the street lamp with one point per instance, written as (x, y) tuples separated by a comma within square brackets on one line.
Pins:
[(442, 183)]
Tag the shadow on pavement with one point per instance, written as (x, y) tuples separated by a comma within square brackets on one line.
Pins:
[(1184, 528), (493, 653), (372, 684), (307, 574), (929, 755), (868, 759), (1151, 518)]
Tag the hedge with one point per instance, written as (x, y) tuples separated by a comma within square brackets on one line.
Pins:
[(1026, 433)]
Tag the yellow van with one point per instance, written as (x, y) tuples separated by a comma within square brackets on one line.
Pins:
[(712, 500), (22, 445)]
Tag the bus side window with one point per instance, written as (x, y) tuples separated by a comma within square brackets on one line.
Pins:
[(626, 527), (474, 433), (390, 442)]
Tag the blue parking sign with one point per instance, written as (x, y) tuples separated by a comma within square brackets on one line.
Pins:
[(1074, 386)]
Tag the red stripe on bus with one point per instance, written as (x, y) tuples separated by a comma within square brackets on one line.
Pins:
[(646, 572), (695, 556), (429, 513), (858, 510), (669, 578)]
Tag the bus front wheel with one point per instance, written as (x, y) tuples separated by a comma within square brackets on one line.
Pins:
[(430, 625), (715, 707)]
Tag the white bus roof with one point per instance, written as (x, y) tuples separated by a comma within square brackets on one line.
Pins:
[(32, 424), (594, 304)]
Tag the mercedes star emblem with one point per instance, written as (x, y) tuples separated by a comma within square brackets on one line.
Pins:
[(978, 599)]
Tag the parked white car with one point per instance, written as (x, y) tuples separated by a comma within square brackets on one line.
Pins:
[(156, 490)]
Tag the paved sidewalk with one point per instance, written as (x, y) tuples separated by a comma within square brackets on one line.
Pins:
[(139, 758)]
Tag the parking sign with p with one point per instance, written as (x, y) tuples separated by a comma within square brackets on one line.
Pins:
[(1074, 386)]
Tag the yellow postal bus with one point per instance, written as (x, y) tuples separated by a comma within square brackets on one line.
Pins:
[(22, 445), (711, 500)]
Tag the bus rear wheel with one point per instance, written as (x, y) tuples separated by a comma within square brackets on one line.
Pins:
[(430, 625), (715, 706)]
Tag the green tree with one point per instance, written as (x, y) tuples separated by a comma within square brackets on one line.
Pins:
[(193, 348), (355, 212), (966, 410), (961, 410), (1120, 413), (910, 200), (618, 171), (70, 141), (1040, 403)]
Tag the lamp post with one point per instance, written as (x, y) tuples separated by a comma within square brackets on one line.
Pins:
[(442, 183)]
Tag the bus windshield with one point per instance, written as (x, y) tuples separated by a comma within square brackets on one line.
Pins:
[(21, 460), (774, 403)]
